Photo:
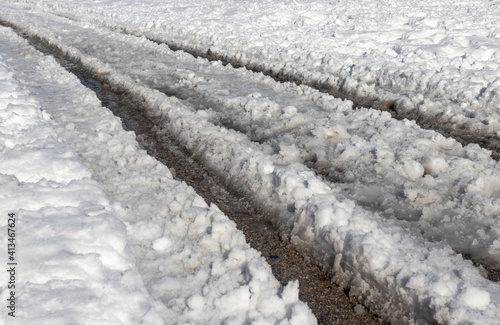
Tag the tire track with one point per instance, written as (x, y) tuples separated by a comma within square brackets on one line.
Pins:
[(329, 303), (103, 73), (202, 103)]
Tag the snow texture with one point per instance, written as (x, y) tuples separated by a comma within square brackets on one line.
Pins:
[(73, 263), (171, 259), (435, 60), (380, 204)]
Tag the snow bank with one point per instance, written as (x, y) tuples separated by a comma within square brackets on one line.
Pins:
[(73, 263), (192, 259)]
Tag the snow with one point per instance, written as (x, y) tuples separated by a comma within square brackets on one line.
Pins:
[(434, 59), (73, 260), (380, 204), (154, 254)]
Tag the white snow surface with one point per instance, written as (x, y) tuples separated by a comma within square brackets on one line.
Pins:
[(73, 263), (382, 205), (155, 254)]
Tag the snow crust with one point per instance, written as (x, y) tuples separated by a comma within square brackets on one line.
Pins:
[(383, 184), (171, 259)]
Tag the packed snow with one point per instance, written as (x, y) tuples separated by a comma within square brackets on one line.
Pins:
[(382, 205)]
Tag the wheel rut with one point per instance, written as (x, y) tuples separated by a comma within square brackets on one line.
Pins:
[(163, 146), (197, 102), (329, 303)]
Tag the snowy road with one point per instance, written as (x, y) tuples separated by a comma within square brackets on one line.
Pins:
[(383, 206)]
